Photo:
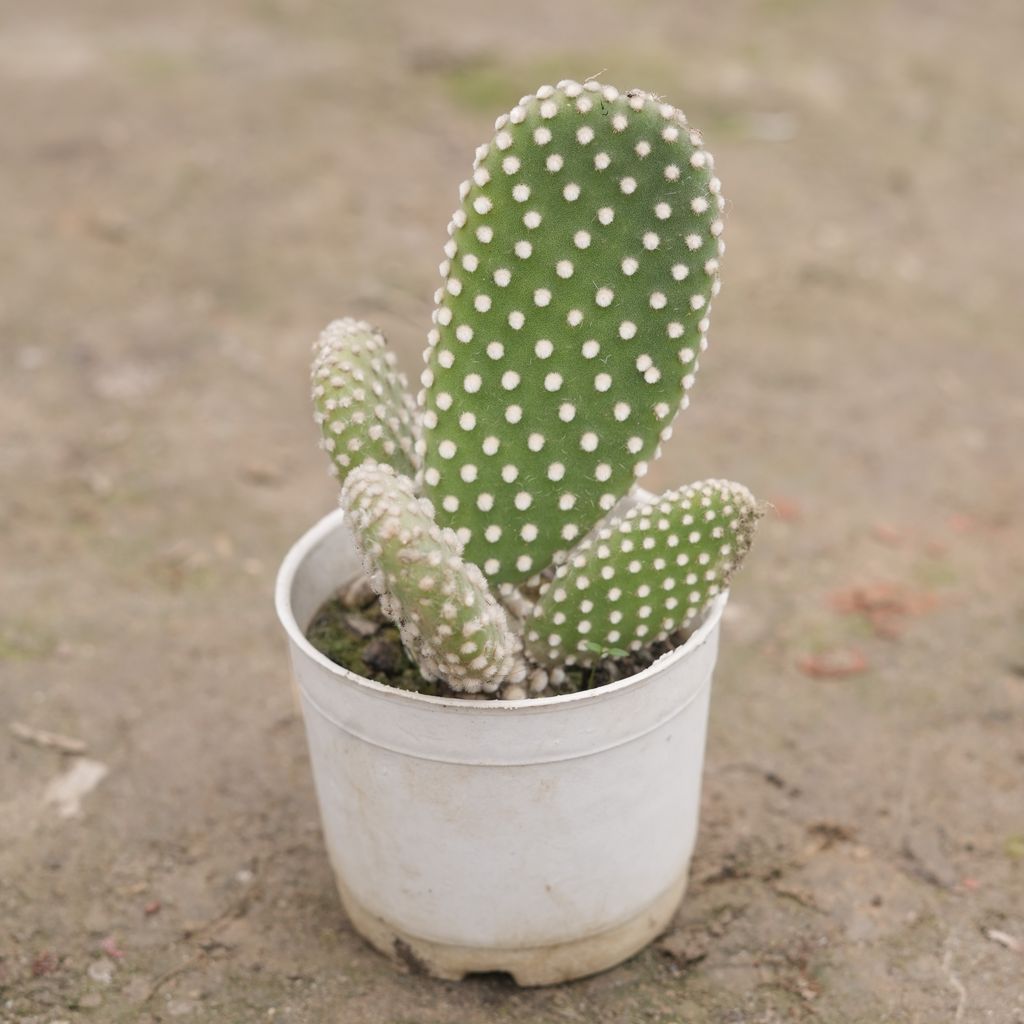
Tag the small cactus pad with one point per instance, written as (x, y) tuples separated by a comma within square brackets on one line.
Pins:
[(641, 577), (450, 624), (361, 402), (576, 290)]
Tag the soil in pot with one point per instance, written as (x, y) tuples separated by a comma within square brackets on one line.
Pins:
[(351, 630)]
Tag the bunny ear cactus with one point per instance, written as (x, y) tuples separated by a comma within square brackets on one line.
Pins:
[(575, 300), (577, 284)]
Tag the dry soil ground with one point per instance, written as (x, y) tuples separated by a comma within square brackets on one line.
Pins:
[(190, 190)]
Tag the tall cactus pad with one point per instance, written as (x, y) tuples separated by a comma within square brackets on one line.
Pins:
[(449, 622), (361, 402), (577, 286), (642, 577)]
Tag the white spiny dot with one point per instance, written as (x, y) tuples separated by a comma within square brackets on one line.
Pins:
[(588, 442), (697, 301), (566, 502), (467, 420), (523, 500), (509, 474), (523, 250), (502, 277), (564, 269), (651, 241), (663, 211), (470, 262), (698, 159), (670, 133), (643, 148), (620, 122), (635, 445), (653, 375), (510, 164), (492, 566), (532, 219), (574, 317), (644, 362), (450, 504), (464, 189), (464, 333), (672, 172), (581, 239), (717, 227), (490, 445), (543, 348), (556, 471), (535, 442), (503, 140), (513, 413), (607, 502), (628, 185), (553, 382), (658, 300), (602, 472), (482, 205), (485, 233), (493, 533), (454, 285), (542, 136), (482, 303), (446, 449), (443, 400), (602, 161), (603, 381), (699, 204), (680, 272), (627, 330), (472, 383), (429, 421), (528, 532), (570, 88), (693, 241), (510, 380), (516, 320), (610, 93), (629, 266), (468, 472), (548, 109), (604, 296), (622, 411), (711, 267), (715, 186), (675, 329), (567, 412), (584, 104), (571, 192), (444, 316), (554, 163), (521, 192), (495, 350), (517, 115), (432, 477), (542, 297), (585, 135), (606, 215), (590, 349), (459, 218)]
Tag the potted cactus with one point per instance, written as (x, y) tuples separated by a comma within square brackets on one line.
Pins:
[(541, 832)]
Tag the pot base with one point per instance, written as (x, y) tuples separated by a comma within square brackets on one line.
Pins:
[(528, 966)]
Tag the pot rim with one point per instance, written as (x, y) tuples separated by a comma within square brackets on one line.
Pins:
[(331, 522)]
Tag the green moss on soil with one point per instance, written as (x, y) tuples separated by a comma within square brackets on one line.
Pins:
[(343, 634)]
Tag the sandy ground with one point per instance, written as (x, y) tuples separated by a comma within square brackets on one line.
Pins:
[(190, 190)]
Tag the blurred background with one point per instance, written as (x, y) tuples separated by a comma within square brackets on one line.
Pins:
[(190, 191)]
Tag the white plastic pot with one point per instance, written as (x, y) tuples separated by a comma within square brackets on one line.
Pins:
[(548, 838)]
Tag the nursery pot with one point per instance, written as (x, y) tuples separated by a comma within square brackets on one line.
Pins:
[(547, 838)]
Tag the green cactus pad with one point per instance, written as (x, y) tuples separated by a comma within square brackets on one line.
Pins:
[(361, 402), (577, 285), (641, 577), (450, 624)]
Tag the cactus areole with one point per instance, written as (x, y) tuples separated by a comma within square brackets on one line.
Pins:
[(576, 292)]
